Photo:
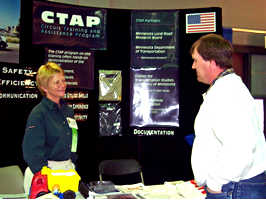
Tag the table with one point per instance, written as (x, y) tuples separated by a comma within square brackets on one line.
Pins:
[(168, 190)]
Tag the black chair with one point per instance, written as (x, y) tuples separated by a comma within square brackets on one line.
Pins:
[(120, 167)]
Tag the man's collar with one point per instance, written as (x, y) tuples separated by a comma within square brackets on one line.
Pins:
[(222, 74)]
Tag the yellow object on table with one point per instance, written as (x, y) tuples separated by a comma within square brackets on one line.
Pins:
[(65, 179)]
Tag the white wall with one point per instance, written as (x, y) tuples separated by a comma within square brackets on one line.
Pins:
[(236, 13)]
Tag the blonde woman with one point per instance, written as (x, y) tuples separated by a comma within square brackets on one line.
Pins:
[(48, 134)]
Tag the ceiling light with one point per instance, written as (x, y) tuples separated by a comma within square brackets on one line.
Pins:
[(248, 30)]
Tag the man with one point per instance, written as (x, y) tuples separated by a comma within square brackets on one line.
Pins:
[(229, 151)]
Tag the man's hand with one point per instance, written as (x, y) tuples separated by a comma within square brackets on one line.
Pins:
[(212, 191)]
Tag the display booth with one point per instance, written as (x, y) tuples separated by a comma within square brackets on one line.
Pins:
[(129, 77)]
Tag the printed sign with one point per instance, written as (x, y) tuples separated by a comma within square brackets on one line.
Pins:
[(68, 25), (18, 84), (154, 97), (154, 39), (154, 69), (78, 66)]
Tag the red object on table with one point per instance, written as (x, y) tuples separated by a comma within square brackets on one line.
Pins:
[(39, 185), (198, 187)]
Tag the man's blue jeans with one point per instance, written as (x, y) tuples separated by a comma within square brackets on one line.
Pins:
[(253, 188)]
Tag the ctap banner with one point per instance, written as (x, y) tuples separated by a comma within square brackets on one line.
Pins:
[(69, 25)]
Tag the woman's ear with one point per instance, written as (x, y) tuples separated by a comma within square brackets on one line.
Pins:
[(44, 89)]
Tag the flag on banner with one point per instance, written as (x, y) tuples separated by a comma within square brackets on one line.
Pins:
[(200, 22)]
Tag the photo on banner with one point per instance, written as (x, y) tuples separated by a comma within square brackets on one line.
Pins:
[(110, 121), (154, 100), (110, 85), (69, 25), (9, 31)]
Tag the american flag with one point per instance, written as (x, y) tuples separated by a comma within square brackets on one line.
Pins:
[(201, 22)]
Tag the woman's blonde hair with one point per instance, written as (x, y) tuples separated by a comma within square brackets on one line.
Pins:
[(44, 73)]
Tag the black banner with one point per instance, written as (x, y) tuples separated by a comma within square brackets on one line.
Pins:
[(78, 66), (154, 39), (154, 97), (17, 84), (154, 69), (78, 100), (69, 25)]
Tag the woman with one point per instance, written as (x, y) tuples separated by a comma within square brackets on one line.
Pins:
[(50, 126)]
